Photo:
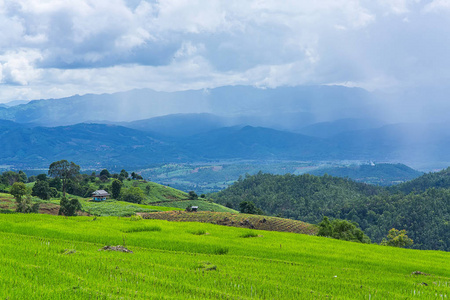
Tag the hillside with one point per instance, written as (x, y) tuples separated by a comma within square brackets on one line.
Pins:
[(425, 216), (155, 197), (438, 180), (304, 197), (53, 257), (378, 174), (235, 220)]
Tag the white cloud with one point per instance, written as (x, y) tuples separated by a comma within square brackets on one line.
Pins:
[(437, 6), (18, 67), (56, 48)]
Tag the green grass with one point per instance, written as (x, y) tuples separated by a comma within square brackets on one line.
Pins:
[(156, 193), (51, 257), (203, 205), (118, 208)]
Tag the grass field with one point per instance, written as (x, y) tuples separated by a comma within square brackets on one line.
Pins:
[(52, 257), (236, 220), (104, 208)]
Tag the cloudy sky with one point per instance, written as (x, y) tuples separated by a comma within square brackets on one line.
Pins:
[(56, 48)]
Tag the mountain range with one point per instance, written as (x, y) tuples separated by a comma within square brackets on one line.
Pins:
[(142, 127)]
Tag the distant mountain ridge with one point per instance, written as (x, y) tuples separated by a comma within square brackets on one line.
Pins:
[(112, 144), (286, 108)]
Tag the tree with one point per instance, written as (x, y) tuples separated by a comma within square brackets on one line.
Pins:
[(132, 194), (248, 207), (116, 186), (41, 189), (105, 172), (22, 177), (397, 238), (192, 195), (32, 178), (10, 177), (123, 174), (69, 207), (342, 230), (18, 190), (24, 204), (42, 177), (65, 171)]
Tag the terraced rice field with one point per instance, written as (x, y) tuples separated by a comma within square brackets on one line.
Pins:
[(53, 257), (235, 220)]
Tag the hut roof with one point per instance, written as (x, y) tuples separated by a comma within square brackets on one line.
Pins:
[(100, 193)]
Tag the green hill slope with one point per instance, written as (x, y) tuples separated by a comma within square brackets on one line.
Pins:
[(304, 197), (425, 216), (378, 174), (50, 257), (439, 180)]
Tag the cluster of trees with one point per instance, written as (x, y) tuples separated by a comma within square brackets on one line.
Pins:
[(342, 230), (423, 214), (8, 178), (65, 178)]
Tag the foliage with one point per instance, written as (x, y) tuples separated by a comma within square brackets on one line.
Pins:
[(425, 216), (382, 174), (248, 207), (342, 230), (69, 207), (25, 205), (192, 195), (18, 190), (397, 238), (42, 190), (438, 180), (104, 172), (116, 186), (133, 195), (64, 170)]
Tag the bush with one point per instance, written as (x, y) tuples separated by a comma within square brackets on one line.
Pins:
[(69, 207), (342, 230), (397, 238), (249, 234), (198, 232), (220, 250), (133, 195)]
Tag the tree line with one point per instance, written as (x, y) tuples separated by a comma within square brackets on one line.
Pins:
[(425, 215)]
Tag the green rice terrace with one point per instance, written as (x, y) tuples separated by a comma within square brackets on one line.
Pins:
[(156, 198), (56, 257), (236, 220)]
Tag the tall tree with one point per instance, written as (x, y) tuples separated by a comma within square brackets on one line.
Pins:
[(116, 186), (65, 171)]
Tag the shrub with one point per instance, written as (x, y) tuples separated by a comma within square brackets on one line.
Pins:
[(342, 230), (69, 207), (397, 238), (249, 234), (198, 232), (220, 250)]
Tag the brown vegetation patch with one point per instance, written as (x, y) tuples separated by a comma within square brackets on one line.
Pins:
[(419, 273), (49, 209), (116, 248), (235, 220)]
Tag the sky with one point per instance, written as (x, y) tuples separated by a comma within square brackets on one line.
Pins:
[(54, 48)]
